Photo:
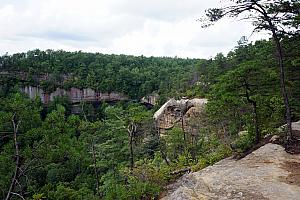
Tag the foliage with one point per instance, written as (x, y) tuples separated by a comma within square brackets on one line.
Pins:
[(281, 20), (243, 142), (134, 76), (89, 155)]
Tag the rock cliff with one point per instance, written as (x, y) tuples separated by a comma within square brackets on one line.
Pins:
[(177, 112), (75, 95), (267, 173)]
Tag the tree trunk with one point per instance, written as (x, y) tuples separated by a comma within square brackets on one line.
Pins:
[(165, 157), (131, 130), (160, 147), (285, 97), (17, 157), (131, 152), (254, 107), (257, 132), (182, 128)]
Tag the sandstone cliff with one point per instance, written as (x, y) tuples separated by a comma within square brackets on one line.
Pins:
[(75, 95), (177, 112)]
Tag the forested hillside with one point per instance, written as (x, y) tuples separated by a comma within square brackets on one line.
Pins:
[(134, 76), (115, 152), (76, 125)]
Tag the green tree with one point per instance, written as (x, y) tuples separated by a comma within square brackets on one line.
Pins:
[(272, 16), (17, 115)]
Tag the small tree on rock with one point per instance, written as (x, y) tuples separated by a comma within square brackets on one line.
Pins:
[(279, 17)]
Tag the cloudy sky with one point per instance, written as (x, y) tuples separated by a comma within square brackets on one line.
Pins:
[(135, 27)]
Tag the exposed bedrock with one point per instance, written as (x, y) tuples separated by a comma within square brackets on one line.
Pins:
[(178, 112)]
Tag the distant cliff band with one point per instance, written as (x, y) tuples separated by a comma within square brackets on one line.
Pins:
[(74, 95)]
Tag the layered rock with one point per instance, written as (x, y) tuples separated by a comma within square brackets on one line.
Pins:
[(150, 99), (177, 112), (74, 95)]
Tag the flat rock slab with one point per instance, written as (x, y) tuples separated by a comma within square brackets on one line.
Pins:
[(267, 173)]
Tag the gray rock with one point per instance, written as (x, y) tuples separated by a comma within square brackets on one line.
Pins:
[(260, 175)]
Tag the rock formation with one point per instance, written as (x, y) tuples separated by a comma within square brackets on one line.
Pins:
[(267, 173), (75, 95), (177, 112), (150, 99)]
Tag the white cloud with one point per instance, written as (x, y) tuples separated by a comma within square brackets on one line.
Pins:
[(156, 27)]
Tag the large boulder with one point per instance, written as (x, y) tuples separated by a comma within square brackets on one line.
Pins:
[(174, 111)]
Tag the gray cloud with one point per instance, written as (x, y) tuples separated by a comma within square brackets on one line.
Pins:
[(156, 27), (163, 9), (57, 35)]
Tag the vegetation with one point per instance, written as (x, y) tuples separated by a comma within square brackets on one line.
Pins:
[(134, 76), (280, 18), (114, 151)]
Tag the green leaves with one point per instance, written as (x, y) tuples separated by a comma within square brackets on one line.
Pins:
[(130, 75)]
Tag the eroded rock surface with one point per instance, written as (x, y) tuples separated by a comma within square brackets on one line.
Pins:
[(151, 99), (267, 173), (178, 112), (75, 95)]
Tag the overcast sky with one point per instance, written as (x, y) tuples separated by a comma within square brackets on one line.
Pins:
[(135, 27)]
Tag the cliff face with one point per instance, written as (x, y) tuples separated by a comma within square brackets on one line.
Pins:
[(178, 112), (75, 95), (267, 173)]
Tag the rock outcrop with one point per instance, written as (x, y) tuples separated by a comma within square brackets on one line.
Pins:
[(177, 112), (267, 173), (74, 95), (150, 99)]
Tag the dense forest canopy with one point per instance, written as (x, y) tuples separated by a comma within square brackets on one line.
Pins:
[(114, 152), (134, 76)]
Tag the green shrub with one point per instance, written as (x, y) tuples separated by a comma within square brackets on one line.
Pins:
[(220, 153), (243, 142), (202, 163)]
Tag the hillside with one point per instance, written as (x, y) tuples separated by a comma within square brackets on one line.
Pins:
[(136, 76), (267, 173), (91, 135)]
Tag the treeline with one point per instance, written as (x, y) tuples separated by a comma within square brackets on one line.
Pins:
[(134, 76), (244, 89), (115, 152)]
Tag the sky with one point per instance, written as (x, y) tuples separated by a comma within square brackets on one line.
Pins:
[(132, 27)]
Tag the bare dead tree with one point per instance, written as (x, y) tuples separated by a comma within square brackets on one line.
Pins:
[(131, 133), (15, 124)]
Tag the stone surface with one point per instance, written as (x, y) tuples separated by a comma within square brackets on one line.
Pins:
[(150, 99), (177, 112), (75, 95), (267, 173)]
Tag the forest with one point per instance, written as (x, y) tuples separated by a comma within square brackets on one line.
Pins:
[(135, 76), (114, 151)]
